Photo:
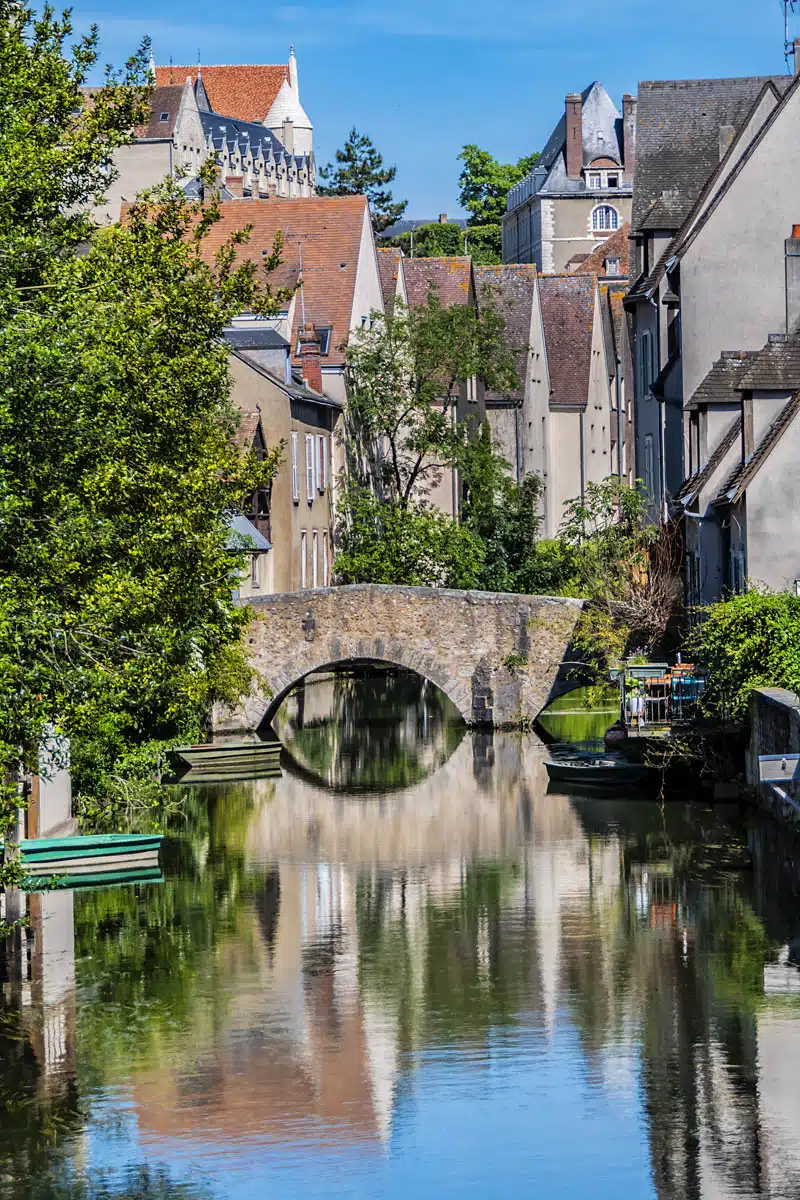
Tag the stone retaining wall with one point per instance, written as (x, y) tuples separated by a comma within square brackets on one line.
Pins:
[(774, 729)]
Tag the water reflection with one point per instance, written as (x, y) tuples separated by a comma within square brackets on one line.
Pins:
[(468, 985), (366, 728)]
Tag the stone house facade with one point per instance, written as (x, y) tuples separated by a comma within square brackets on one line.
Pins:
[(580, 190)]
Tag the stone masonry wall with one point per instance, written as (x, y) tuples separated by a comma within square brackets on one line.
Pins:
[(496, 656)]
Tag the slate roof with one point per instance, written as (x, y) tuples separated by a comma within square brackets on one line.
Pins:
[(264, 338), (242, 134), (389, 267), (162, 100), (616, 246), (737, 483), (511, 290), (775, 368), (677, 139), (568, 316), (646, 284), (691, 488), (449, 277), (243, 91), (243, 535), (329, 229), (722, 381)]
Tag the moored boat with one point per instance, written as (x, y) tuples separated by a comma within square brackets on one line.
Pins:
[(597, 770), (225, 756), (90, 854)]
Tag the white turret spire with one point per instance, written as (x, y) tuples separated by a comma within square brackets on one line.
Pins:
[(293, 71), (287, 108)]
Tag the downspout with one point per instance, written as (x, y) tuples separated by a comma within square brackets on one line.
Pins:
[(583, 465), (516, 444), (619, 422)]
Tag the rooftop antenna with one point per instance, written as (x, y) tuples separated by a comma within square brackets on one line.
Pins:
[(789, 7), (171, 72), (302, 283)]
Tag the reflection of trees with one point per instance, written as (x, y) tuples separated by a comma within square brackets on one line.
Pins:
[(369, 728)]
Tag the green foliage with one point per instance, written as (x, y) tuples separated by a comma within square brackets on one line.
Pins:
[(485, 244), (431, 241), (118, 463), (411, 543), (406, 375), (359, 171), (747, 642), (485, 183)]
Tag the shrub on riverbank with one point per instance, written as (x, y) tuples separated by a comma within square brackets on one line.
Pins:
[(747, 642)]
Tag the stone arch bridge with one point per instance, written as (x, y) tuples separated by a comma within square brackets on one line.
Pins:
[(500, 658)]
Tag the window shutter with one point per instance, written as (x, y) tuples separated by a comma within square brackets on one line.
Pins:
[(314, 559), (295, 469), (322, 462), (309, 467)]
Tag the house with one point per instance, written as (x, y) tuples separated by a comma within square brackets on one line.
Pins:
[(195, 115), (714, 194), (580, 190), (392, 276), (741, 497), (287, 534)]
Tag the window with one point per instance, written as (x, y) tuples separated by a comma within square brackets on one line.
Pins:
[(649, 467), (303, 558), (309, 467), (255, 570), (322, 462), (324, 335), (295, 470), (594, 181), (693, 578), (326, 577), (165, 117), (314, 558), (738, 577), (612, 266), (612, 181), (645, 363), (604, 217)]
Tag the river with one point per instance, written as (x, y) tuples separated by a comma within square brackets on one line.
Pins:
[(405, 968)]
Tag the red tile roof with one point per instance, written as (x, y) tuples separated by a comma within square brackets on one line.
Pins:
[(246, 92), (616, 246), (329, 229), (568, 317), (389, 269), (450, 278)]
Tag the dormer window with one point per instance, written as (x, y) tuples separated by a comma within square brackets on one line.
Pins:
[(612, 181), (605, 218), (164, 117), (612, 266), (595, 179)]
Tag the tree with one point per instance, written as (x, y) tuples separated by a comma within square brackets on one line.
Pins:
[(359, 171), (118, 465), (483, 243), (747, 642), (485, 183)]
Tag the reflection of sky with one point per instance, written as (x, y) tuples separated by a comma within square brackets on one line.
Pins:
[(518, 1120)]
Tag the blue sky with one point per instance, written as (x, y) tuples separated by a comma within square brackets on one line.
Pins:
[(423, 77)]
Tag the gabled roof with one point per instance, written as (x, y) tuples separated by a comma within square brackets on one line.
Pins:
[(722, 381), (329, 230), (449, 277), (645, 285), (244, 91), (163, 101), (737, 483), (568, 304), (246, 135), (618, 245), (691, 488), (389, 269), (775, 368), (511, 290), (678, 124), (243, 535)]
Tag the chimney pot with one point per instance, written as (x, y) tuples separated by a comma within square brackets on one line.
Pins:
[(235, 185), (442, 218), (288, 135), (573, 113), (310, 364), (795, 232)]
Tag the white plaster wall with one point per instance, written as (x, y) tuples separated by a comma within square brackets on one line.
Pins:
[(139, 166)]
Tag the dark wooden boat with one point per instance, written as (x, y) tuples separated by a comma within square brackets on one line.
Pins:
[(597, 770), (225, 756)]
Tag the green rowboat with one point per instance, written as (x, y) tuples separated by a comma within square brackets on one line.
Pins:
[(90, 854)]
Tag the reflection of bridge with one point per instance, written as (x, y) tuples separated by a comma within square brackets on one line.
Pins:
[(497, 656)]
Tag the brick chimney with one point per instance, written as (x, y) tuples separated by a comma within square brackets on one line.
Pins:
[(629, 134), (235, 185), (287, 136), (573, 109), (310, 363), (792, 260), (442, 218)]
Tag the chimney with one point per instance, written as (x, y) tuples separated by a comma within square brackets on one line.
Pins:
[(288, 135), (629, 134), (797, 56), (310, 364), (235, 185), (573, 108), (442, 218), (792, 259)]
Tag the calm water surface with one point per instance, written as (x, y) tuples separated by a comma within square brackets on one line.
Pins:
[(406, 969)]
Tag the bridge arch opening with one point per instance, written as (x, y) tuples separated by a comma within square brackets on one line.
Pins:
[(365, 726)]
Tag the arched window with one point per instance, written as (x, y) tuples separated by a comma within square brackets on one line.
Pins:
[(604, 217)]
